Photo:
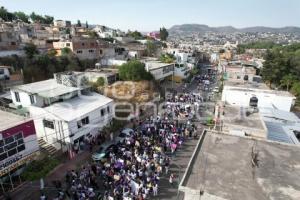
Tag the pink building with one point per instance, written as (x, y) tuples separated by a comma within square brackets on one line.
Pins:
[(18, 144)]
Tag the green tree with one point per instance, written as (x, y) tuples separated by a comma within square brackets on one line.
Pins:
[(86, 24), (136, 35), (78, 23), (22, 16), (66, 51), (296, 89), (167, 58), (134, 71), (100, 81), (163, 33), (287, 81), (30, 50), (151, 48)]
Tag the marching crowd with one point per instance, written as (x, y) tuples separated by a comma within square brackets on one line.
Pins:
[(134, 166)]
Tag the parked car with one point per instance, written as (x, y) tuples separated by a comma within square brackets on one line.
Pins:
[(103, 151), (125, 133), (4, 73)]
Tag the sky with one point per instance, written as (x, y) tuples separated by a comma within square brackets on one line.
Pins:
[(150, 15)]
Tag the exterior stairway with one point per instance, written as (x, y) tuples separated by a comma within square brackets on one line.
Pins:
[(47, 148)]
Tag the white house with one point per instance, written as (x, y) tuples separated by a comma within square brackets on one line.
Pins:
[(64, 111), (159, 70), (240, 93)]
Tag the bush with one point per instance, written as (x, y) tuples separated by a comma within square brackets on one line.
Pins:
[(134, 71), (38, 169)]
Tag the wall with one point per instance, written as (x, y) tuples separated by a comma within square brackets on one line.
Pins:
[(242, 98), (29, 138)]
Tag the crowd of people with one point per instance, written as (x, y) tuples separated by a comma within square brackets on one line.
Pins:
[(134, 166), (182, 107)]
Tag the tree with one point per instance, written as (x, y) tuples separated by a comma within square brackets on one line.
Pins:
[(287, 81), (134, 71), (296, 89), (22, 16), (86, 24), (151, 48), (30, 50), (68, 31), (47, 19), (78, 23), (66, 51), (163, 33), (167, 58), (52, 52), (136, 35)]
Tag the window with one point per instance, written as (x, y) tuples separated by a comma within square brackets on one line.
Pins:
[(31, 99), (91, 51), (101, 51), (1, 143), (11, 146), (102, 112), (21, 147), (12, 152), (79, 51), (108, 109), (48, 124), (18, 136), (83, 122), (82, 44), (3, 156), (17, 96), (68, 44), (9, 140), (21, 141)]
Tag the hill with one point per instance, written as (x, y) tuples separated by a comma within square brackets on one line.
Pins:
[(201, 28)]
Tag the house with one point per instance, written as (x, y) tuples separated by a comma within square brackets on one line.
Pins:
[(65, 112), (83, 48), (159, 70), (62, 23), (109, 76), (18, 143), (181, 72), (9, 39), (240, 93)]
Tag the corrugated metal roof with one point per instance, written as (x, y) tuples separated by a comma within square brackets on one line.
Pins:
[(277, 133)]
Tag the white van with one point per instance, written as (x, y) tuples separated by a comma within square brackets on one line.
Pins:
[(4, 73)]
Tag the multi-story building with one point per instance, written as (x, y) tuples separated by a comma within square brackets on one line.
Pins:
[(160, 71), (65, 112), (83, 48), (18, 143)]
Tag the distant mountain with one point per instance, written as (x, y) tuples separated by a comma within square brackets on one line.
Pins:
[(201, 28)]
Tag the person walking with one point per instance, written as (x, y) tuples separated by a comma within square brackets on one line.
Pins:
[(155, 189), (171, 179)]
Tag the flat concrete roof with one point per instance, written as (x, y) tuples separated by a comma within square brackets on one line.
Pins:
[(79, 106), (48, 88), (235, 119), (8, 120), (223, 168)]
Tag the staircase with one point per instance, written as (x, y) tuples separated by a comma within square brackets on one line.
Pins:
[(47, 148)]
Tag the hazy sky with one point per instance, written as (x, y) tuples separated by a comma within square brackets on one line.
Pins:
[(148, 15)]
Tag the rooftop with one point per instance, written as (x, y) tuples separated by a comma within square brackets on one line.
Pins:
[(245, 86), (8, 120), (156, 65), (78, 106), (48, 88), (222, 168), (235, 119)]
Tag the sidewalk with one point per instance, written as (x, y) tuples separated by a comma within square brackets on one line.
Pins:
[(31, 190)]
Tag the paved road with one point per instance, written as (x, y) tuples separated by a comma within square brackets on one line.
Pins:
[(30, 191)]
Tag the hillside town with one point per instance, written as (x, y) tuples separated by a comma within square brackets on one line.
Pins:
[(89, 112)]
